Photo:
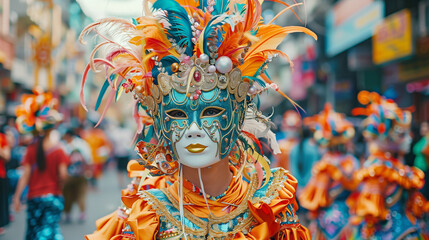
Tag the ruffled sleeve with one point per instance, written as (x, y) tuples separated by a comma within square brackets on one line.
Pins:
[(143, 220), (316, 194), (278, 218), (417, 206), (370, 200), (108, 227)]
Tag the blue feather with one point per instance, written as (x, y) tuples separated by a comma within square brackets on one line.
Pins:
[(102, 92), (180, 29), (166, 63), (259, 81), (203, 4), (220, 7), (135, 22), (209, 30), (117, 90)]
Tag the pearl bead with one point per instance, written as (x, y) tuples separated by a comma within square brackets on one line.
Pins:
[(252, 90), (223, 64), (204, 58), (138, 88), (212, 69)]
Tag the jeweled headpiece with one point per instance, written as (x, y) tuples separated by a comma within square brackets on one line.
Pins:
[(330, 128), (189, 54), (385, 119), (38, 112)]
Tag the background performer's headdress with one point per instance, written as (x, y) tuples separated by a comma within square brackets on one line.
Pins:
[(330, 128), (384, 119), (38, 112)]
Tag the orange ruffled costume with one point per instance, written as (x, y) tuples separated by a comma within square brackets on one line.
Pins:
[(246, 212), (317, 193), (383, 181)]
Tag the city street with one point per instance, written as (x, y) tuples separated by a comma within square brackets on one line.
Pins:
[(99, 203)]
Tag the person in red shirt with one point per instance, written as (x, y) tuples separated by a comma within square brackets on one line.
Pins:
[(44, 167), (4, 192)]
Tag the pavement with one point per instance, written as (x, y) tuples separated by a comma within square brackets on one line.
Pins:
[(99, 203)]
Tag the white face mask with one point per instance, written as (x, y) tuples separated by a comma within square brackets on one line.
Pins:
[(196, 149)]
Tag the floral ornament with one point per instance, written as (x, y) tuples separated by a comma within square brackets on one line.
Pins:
[(38, 112), (330, 128)]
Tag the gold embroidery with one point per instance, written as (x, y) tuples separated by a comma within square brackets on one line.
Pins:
[(210, 229)]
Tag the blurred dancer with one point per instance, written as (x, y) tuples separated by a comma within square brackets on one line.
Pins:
[(387, 204), (288, 138), (101, 149), (75, 188), (325, 195), (4, 186), (421, 150), (121, 138), (44, 166), (303, 156)]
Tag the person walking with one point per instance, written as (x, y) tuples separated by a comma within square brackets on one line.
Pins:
[(4, 203), (76, 186), (421, 151), (44, 167)]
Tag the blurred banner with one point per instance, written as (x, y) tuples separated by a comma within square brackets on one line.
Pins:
[(7, 52), (393, 38), (350, 22)]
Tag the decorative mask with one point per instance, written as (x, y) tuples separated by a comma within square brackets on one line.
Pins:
[(194, 68), (194, 127)]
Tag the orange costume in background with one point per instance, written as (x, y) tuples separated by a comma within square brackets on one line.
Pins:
[(290, 125), (100, 149), (387, 204), (332, 177)]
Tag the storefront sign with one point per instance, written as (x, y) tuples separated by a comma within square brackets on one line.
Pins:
[(414, 69), (350, 22), (393, 38)]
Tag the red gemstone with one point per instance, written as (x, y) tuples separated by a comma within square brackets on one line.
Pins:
[(198, 92), (197, 76)]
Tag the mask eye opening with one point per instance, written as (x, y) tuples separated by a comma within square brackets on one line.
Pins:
[(212, 112), (176, 114)]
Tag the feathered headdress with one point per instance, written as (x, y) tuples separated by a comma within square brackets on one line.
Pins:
[(190, 46), (38, 112), (330, 128), (384, 116)]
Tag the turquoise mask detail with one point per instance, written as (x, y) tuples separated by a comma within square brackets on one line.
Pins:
[(216, 112)]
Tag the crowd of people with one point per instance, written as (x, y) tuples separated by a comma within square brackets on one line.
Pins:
[(49, 165), (370, 192)]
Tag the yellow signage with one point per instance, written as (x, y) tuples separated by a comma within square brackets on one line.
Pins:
[(393, 38)]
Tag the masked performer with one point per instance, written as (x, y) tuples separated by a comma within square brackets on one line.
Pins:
[(195, 67), (330, 185), (388, 204)]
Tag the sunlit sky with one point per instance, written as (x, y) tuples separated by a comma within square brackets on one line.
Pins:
[(111, 8)]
